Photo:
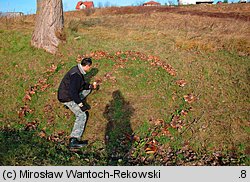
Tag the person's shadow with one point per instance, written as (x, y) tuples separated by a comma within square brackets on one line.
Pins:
[(118, 135)]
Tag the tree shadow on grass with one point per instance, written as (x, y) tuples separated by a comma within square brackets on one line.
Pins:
[(19, 147), (118, 132), (22, 148)]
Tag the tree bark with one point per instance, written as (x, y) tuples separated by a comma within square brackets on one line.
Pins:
[(49, 25)]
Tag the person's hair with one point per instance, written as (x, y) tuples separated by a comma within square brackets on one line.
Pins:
[(86, 61)]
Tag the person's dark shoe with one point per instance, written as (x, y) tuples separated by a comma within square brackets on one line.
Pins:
[(85, 108), (74, 143), (84, 101), (66, 107)]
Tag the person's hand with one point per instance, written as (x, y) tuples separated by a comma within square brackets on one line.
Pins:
[(95, 85)]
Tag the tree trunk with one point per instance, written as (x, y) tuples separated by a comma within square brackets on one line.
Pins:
[(49, 25)]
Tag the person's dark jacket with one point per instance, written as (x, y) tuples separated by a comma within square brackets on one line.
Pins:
[(71, 85)]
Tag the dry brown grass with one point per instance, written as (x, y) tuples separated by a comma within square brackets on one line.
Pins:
[(222, 8), (18, 23)]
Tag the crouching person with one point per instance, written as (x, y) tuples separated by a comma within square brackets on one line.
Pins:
[(72, 92)]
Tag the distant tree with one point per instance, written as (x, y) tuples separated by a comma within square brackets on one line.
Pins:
[(139, 3), (107, 4), (49, 25), (171, 3), (100, 5), (225, 1)]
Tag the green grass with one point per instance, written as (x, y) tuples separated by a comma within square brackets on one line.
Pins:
[(131, 102)]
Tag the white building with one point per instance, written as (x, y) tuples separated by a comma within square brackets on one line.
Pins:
[(11, 14), (186, 2)]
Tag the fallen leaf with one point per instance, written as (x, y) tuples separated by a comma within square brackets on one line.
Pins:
[(42, 81), (50, 119), (181, 83), (154, 133), (189, 98), (60, 133), (151, 149), (108, 76), (159, 122), (174, 96), (53, 138), (118, 53), (136, 138), (31, 126), (52, 68), (48, 108), (32, 92), (98, 81), (166, 132), (27, 97), (150, 152), (184, 112), (152, 142), (44, 87), (79, 58), (176, 122), (21, 114), (23, 111), (42, 134)]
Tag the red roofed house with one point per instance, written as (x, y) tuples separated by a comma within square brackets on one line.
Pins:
[(151, 3), (85, 5)]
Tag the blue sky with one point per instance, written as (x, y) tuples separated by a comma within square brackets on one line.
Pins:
[(29, 6)]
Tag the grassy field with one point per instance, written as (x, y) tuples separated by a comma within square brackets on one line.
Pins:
[(174, 88)]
